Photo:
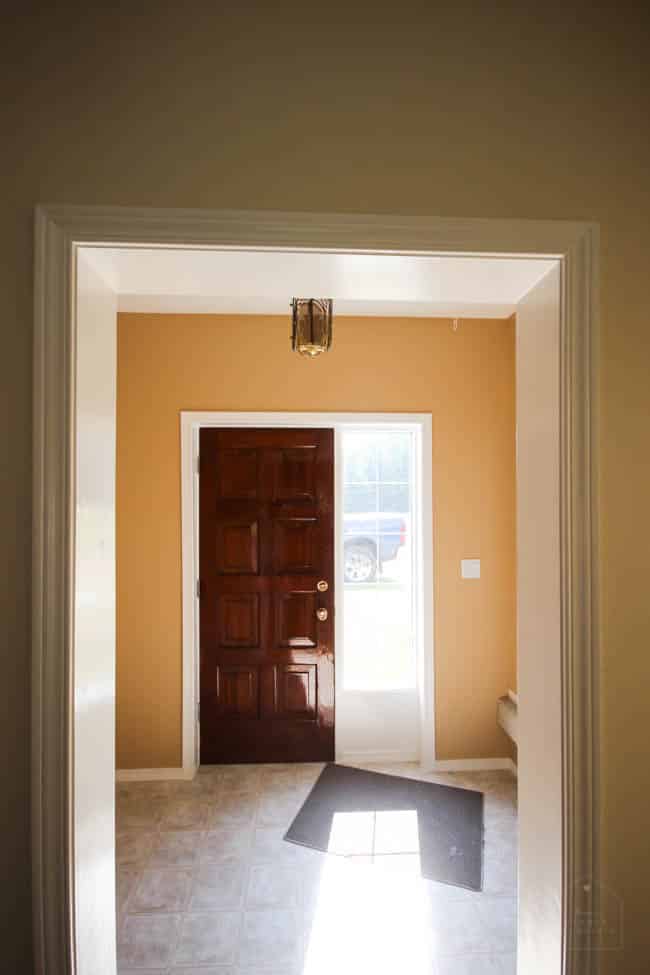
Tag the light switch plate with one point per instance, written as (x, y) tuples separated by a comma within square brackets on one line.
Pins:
[(470, 568)]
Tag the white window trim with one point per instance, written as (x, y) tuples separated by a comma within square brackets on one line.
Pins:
[(191, 423)]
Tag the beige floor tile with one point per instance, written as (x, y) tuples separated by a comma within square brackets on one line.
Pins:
[(125, 881), (269, 846), (161, 892), (176, 848), (144, 790), (217, 886), (438, 895), (187, 789), (309, 772), (278, 778), (498, 916), (210, 854), (147, 941), (297, 969), (232, 809), (239, 778), (133, 847), (226, 841), (477, 965), (207, 784), (315, 886), (138, 812), (499, 869), (271, 885), (458, 930), (184, 814), (202, 970), (208, 939), (271, 939), (399, 864), (279, 808), (141, 971)]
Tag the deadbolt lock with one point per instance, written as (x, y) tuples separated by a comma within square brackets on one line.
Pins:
[(322, 586), (321, 614)]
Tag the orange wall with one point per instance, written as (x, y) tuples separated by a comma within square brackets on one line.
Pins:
[(169, 363)]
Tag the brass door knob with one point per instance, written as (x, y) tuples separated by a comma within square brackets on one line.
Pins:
[(322, 585), (321, 614)]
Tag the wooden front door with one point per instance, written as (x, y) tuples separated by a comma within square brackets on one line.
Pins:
[(266, 552)]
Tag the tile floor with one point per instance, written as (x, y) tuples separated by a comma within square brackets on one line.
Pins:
[(207, 886)]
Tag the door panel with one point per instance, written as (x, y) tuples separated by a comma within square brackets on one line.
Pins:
[(295, 475), (237, 546), (295, 545), (266, 539), (237, 691), (296, 691), (238, 616), (238, 475), (295, 620)]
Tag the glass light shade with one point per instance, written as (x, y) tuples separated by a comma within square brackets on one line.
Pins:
[(312, 325)]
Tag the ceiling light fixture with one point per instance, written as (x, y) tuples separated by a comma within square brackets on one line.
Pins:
[(311, 325)]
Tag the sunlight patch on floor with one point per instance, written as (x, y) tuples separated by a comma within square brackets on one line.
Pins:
[(380, 917)]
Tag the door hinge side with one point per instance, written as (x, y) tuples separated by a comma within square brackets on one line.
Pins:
[(198, 588), (198, 712), (198, 463)]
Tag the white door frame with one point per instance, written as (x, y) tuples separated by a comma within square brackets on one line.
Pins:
[(60, 230), (191, 423)]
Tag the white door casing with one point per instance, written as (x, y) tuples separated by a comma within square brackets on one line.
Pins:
[(539, 676), (60, 230), (346, 725), (94, 624)]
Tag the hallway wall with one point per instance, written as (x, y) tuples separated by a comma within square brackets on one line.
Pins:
[(169, 363)]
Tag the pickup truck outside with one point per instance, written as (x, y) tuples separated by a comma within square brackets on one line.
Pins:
[(370, 540)]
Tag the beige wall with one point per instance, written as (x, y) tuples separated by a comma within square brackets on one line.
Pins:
[(169, 363), (458, 109)]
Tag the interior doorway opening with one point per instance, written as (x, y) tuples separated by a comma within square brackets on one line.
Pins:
[(70, 405)]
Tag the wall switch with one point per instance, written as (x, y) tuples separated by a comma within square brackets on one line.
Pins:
[(470, 568)]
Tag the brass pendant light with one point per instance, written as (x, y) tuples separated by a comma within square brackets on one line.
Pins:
[(311, 325)]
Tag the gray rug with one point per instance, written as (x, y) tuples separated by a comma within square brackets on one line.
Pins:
[(352, 812)]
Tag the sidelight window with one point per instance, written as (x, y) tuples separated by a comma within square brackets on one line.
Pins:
[(379, 629)]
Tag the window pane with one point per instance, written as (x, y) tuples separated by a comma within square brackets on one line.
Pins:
[(378, 608), (360, 457), (394, 456), (394, 498), (361, 499)]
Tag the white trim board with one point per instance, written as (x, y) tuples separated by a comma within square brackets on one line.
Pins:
[(59, 232), (378, 758), (153, 774), (190, 424), (473, 765)]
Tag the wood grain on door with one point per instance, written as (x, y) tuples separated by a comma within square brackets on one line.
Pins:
[(266, 541)]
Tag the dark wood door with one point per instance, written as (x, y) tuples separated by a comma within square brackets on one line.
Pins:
[(266, 541)]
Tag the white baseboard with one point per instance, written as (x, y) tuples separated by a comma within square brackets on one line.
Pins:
[(350, 758), (376, 757), (445, 765), (473, 765), (153, 774)]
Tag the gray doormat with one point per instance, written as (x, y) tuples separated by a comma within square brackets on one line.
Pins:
[(352, 812)]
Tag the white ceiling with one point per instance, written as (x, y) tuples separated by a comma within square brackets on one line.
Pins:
[(264, 281)]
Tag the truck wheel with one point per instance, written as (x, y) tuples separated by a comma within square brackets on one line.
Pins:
[(360, 563)]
